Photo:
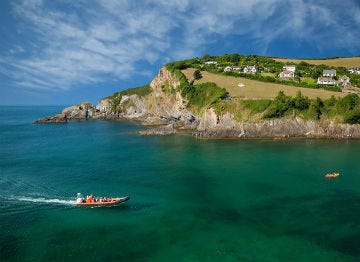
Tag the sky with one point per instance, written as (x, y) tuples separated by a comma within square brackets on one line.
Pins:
[(62, 52)]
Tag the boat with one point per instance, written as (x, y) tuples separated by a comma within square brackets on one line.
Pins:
[(80, 201), (332, 175)]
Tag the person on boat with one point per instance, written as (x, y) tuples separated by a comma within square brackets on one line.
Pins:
[(79, 198), (90, 199)]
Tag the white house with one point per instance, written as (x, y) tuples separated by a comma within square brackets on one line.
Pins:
[(238, 68), (326, 81), (231, 68), (228, 69), (291, 68), (354, 70), (287, 74), (250, 69), (344, 81), (330, 73), (210, 63)]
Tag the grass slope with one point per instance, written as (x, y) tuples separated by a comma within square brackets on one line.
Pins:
[(346, 62), (256, 90)]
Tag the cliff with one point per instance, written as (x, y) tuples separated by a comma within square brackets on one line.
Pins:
[(166, 111), (212, 125)]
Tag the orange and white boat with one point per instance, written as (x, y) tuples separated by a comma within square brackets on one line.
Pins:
[(332, 175), (80, 201)]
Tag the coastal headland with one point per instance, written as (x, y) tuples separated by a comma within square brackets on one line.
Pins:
[(216, 97)]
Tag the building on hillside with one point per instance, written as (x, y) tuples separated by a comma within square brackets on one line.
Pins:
[(344, 81), (250, 69), (287, 74), (237, 68), (354, 70), (331, 72), (210, 63), (329, 81), (232, 68), (291, 68), (228, 69)]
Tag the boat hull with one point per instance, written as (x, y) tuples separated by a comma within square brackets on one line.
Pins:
[(113, 201), (334, 175)]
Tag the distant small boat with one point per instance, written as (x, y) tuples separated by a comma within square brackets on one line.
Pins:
[(332, 175)]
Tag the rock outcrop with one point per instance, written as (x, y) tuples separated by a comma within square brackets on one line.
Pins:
[(165, 110), (283, 128), (159, 131), (84, 110), (59, 118)]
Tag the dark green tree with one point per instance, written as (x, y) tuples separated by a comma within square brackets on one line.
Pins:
[(301, 102), (197, 74)]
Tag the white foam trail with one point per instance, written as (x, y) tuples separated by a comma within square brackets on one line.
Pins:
[(50, 201)]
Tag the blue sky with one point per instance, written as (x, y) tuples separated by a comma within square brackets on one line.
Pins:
[(66, 51)]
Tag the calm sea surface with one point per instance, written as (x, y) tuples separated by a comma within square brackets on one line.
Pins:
[(191, 200)]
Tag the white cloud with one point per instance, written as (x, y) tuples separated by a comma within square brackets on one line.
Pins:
[(86, 42)]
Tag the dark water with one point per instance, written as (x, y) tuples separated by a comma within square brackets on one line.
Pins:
[(191, 200)]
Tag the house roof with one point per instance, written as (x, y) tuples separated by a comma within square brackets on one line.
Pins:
[(326, 79), (330, 71)]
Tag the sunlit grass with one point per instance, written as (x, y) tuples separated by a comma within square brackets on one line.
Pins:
[(347, 62), (257, 90)]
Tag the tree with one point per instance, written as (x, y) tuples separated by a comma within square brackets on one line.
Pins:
[(197, 74), (301, 102), (316, 106)]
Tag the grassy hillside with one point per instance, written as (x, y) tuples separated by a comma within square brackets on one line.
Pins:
[(347, 62), (256, 90)]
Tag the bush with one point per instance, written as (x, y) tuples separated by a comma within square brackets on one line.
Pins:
[(197, 74), (140, 91), (331, 88), (316, 108), (116, 97), (205, 94), (347, 103), (353, 117), (256, 106), (301, 102)]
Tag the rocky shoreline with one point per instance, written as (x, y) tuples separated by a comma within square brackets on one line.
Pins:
[(166, 112)]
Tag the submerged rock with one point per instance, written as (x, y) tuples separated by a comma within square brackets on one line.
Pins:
[(60, 118), (159, 131)]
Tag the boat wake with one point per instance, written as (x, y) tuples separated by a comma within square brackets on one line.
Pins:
[(48, 201)]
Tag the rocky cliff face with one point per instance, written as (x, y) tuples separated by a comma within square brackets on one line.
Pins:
[(83, 110), (212, 125), (165, 108), (164, 105)]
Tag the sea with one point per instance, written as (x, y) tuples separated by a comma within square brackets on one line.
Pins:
[(190, 199)]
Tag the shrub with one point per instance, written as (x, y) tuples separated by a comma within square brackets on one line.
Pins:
[(347, 103), (301, 102), (140, 91), (197, 74), (353, 117), (316, 108), (256, 106), (204, 94), (116, 97)]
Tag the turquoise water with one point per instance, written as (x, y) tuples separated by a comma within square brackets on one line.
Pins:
[(191, 200)]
